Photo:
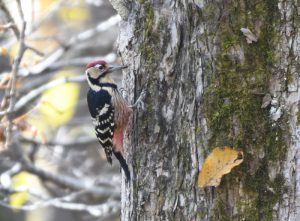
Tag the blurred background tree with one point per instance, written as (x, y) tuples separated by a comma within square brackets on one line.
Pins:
[(50, 164)]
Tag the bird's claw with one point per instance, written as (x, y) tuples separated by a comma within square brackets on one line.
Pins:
[(139, 104), (123, 91)]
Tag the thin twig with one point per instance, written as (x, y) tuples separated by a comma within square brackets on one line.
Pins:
[(16, 31), (7, 26), (51, 10), (69, 182), (32, 11), (33, 94), (77, 142), (58, 53), (38, 52), (13, 80), (10, 19), (107, 208), (111, 57), (20, 10), (21, 189), (5, 177)]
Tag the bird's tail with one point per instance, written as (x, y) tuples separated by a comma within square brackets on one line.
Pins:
[(108, 158), (123, 165)]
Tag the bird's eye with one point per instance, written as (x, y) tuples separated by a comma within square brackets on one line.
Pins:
[(100, 67)]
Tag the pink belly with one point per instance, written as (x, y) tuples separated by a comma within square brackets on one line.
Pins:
[(121, 125), (118, 140)]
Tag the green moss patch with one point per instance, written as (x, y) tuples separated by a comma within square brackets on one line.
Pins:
[(232, 105)]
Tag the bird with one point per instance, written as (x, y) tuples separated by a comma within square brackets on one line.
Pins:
[(109, 110)]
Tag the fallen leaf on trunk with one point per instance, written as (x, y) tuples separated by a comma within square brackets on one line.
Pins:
[(217, 164)]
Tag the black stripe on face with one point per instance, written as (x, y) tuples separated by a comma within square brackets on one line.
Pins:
[(95, 81)]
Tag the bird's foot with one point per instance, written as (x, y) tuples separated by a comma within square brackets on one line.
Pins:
[(139, 104), (123, 91)]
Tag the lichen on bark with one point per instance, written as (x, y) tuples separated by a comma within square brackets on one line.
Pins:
[(232, 105)]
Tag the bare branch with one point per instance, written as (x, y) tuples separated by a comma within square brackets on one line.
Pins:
[(7, 26), (77, 142), (69, 182), (111, 57), (33, 94), (21, 189), (107, 208), (65, 202), (51, 10), (20, 10), (10, 19), (13, 81), (39, 53), (5, 177), (58, 53)]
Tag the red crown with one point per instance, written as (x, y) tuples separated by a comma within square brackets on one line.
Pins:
[(92, 64)]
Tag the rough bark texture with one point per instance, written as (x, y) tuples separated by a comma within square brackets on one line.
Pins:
[(208, 87)]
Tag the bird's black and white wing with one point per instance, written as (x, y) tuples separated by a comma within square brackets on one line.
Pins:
[(102, 113), (104, 127)]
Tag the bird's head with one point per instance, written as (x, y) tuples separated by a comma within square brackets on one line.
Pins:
[(98, 72)]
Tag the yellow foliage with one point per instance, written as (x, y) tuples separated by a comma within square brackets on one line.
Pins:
[(59, 103), (45, 4), (71, 12), (218, 163), (74, 14), (19, 199), (3, 51), (57, 106)]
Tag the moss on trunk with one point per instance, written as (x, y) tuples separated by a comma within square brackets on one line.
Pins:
[(232, 105)]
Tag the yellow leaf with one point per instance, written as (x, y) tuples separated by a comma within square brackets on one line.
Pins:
[(60, 102), (56, 107), (3, 51), (19, 199), (75, 14), (218, 163)]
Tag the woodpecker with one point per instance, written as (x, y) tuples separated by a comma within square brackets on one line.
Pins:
[(108, 109)]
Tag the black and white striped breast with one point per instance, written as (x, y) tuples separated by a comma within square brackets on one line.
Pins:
[(102, 113)]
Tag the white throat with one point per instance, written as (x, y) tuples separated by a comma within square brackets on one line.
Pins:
[(92, 86)]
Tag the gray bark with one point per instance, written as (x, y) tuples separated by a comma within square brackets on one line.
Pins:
[(206, 87)]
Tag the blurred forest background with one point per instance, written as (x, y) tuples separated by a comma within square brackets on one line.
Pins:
[(50, 164)]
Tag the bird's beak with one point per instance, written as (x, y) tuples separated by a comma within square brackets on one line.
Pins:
[(117, 67)]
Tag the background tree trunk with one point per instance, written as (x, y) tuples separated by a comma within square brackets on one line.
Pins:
[(207, 87)]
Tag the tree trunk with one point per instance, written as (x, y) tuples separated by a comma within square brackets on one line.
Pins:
[(208, 86)]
